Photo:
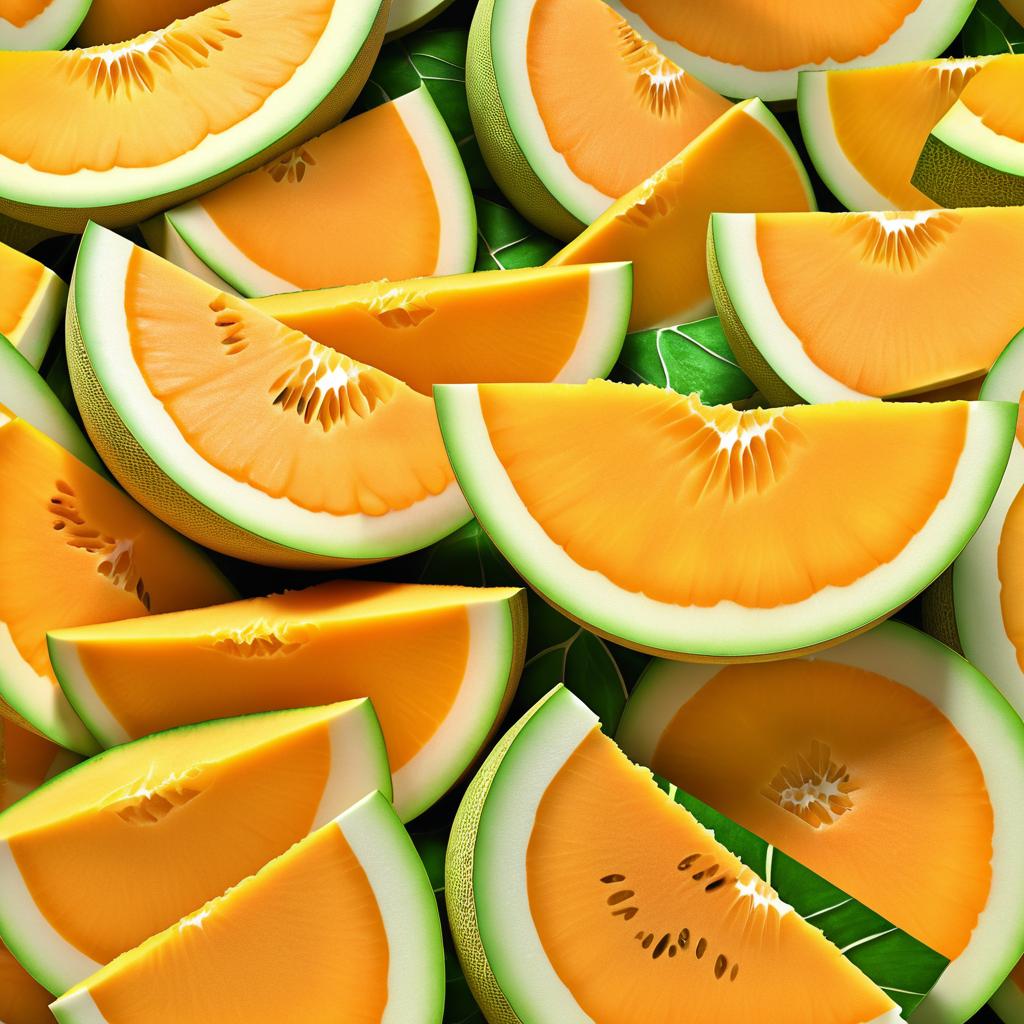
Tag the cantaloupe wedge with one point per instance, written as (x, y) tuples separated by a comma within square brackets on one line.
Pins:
[(865, 127), (829, 760), (440, 664), (743, 161), (26, 762), (40, 24), (22, 999), (704, 533), (76, 550), (248, 437), (325, 213), (828, 306), (408, 15), (1008, 1002), (544, 324), (156, 828), (32, 300), (342, 927), (551, 119), (749, 48), (173, 113)]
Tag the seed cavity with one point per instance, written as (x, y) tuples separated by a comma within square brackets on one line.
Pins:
[(262, 640), (290, 167), (398, 308), (813, 786), (149, 805)]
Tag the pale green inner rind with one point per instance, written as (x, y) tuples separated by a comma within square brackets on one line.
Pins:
[(51, 29)]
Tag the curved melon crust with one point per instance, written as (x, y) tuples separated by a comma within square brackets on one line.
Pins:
[(50, 29), (725, 631), (193, 224), (38, 318), (408, 15), (992, 731)]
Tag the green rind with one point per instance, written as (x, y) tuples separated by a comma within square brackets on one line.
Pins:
[(69, 14), (397, 31), (954, 179)]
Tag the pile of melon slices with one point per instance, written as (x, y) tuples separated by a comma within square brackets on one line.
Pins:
[(511, 520)]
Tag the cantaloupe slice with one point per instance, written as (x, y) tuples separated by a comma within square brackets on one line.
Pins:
[(744, 161), (1008, 1002), (39, 24), (246, 436), (326, 214), (26, 762), (342, 927), (974, 156), (32, 299), (751, 48), (865, 127), (173, 113), (76, 550), (440, 664), (538, 324), (156, 828), (706, 533), (551, 118), (22, 999), (887, 765), (564, 857), (830, 306)]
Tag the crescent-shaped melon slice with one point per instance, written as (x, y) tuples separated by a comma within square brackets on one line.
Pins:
[(32, 300), (703, 532), (40, 24), (27, 760)]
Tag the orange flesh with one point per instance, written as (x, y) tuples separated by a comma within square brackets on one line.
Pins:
[(768, 36), (274, 410), (894, 303), (607, 840), (884, 149), (994, 96), (20, 278), (113, 21), (26, 762), (1010, 562), (737, 164), (625, 81), (22, 999), (20, 12), (520, 325), (170, 90), (325, 214), (851, 774), (303, 940), (792, 500)]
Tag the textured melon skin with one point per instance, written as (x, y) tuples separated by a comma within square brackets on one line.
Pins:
[(953, 179)]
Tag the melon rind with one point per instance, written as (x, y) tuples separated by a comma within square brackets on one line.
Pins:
[(443, 165), (725, 631), (983, 718), (161, 237), (49, 30), (145, 450), (40, 318), (408, 15), (316, 97)]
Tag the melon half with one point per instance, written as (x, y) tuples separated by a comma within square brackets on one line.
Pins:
[(32, 299), (607, 498), (175, 112), (39, 24), (887, 765)]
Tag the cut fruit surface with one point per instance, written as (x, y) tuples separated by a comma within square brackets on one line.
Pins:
[(830, 761), (752, 48), (744, 161), (562, 324), (76, 550), (39, 25), (363, 935), (26, 762), (22, 999), (244, 435), (173, 113), (325, 214), (551, 118), (831, 306), (32, 299), (823, 518), (865, 127), (157, 827), (440, 664)]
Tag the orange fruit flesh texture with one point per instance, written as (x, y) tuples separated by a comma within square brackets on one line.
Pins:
[(994, 96), (302, 422), (22, 999), (360, 233), (914, 97), (892, 280), (1010, 563), (77, 550), (20, 12), (661, 225), (618, 874), (795, 500), (453, 330), (114, 21), (767, 36), (626, 81), (26, 761), (219, 963), (852, 774), (220, 67), (159, 827), (20, 277)]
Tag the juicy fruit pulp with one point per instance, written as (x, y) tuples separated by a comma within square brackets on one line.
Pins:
[(115, 21)]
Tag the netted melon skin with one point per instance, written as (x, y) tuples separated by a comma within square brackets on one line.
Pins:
[(938, 612), (954, 180)]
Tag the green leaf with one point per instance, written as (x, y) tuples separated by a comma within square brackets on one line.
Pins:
[(467, 558), (507, 240), (991, 29)]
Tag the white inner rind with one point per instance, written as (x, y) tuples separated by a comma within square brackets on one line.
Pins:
[(50, 29), (40, 318), (162, 237), (965, 132), (405, 13)]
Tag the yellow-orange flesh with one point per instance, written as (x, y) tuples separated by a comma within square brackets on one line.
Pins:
[(20, 278), (114, 21), (164, 91), (913, 97), (20, 12), (22, 999), (994, 96), (767, 36), (328, 962), (610, 76), (893, 303), (26, 762), (273, 409), (351, 176), (520, 325), (792, 500), (661, 225), (649, 896)]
